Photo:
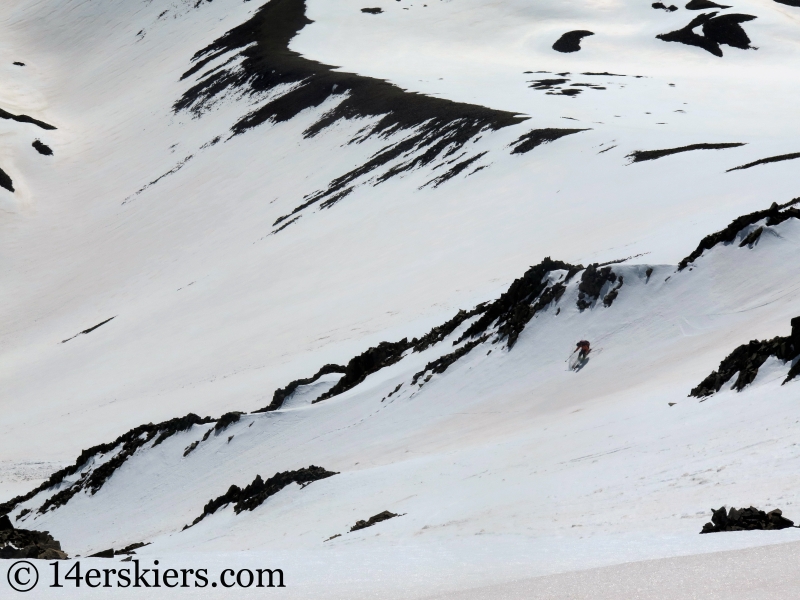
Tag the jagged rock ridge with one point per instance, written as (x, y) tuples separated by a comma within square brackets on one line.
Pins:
[(775, 215), (747, 359), (253, 495)]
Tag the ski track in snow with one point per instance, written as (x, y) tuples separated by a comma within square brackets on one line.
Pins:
[(514, 476)]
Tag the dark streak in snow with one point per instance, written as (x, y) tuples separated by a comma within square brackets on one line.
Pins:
[(91, 329)]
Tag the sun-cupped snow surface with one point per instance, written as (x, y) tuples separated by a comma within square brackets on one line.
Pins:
[(239, 193)]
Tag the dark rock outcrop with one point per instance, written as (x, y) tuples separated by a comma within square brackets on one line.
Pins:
[(745, 519), (254, 494), (438, 333), (747, 359), (42, 148), (4, 114), (125, 445), (89, 330), (537, 137), (717, 30), (281, 394), (765, 161), (775, 215), (643, 155), (373, 360), (440, 364), (6, 182), (25, 543), (524, 298), (591, 285), (571, 41), (383, 516), (703, 5), (225, 421)]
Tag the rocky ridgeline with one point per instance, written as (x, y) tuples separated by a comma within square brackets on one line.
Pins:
[(24, 543), (253, 495), (747, 359), (775, 215), (745, 519), (125, 446)]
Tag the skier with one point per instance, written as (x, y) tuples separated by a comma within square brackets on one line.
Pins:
[(583, 349)]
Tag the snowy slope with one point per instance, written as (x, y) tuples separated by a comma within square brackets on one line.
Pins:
[(254, 190)]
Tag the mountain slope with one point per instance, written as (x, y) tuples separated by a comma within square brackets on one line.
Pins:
[(341, 220)]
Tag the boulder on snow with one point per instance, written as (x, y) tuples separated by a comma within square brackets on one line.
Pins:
[(745, 519), (24, 543)]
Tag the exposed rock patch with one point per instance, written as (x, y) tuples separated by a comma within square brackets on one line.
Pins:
[(6, 182), (752, 238), (591, 285), (383, 516), (372, 11), (42, 148), (281, 394), (524, 298), (438, 333), (90, 330), (125, 445), (765, 161), (131, 548), (745, 519), (454, 170), (254, 494), (643, 155), (440, 364), (775, 215), (662, 6), (25, 543), (747, 359), (537, 137), (547, 84), (4, 114), (222, 423), (725, 29), (609, 298), (571, 41), (703, 5), (373, 360)]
